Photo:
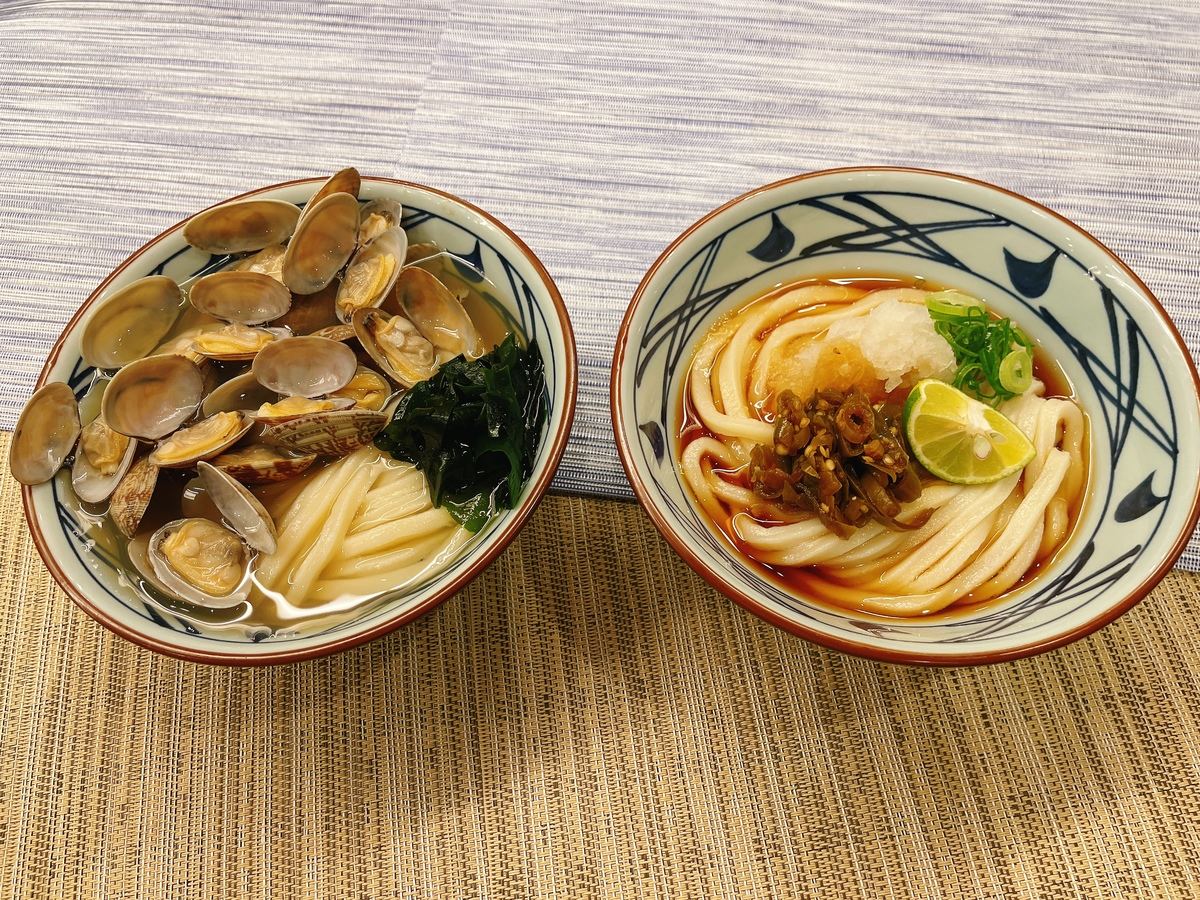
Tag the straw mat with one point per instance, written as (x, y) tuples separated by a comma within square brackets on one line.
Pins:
[(588, 719)]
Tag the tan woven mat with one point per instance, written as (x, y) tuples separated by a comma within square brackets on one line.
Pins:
[(588, 719)]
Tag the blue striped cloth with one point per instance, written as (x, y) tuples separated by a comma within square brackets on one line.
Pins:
[(597, 131)]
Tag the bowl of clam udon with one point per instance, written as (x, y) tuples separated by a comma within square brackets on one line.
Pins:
[(297, 420), (910, 416)]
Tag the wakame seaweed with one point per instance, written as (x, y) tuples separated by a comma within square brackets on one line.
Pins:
[(473, 429)]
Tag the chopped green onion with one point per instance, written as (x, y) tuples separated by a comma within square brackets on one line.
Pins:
[(951, 303), (1016, 371), (994, 357)]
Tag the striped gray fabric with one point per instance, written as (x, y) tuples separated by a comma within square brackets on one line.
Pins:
[(596, 131)]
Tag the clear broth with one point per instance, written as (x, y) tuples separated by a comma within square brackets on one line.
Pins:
[(265, 614)]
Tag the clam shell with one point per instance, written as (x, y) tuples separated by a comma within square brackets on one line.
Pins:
[(90, 484), (138, 551), (360, 287), (132, 495), (248, 298), (407, 370), (130, 323), (344, 181), (260, 464), (236, 431), (242, 392), (323, 242), (152, 397), (241, 509), (45, 434), (178, 586), (436, 312), (304, 366), (334, 433), (242, 225)]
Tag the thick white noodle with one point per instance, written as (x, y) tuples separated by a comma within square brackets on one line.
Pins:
[(362, 525), (977, 541)]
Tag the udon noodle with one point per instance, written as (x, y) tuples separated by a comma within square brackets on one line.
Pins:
[(362, 525), (976, 541)]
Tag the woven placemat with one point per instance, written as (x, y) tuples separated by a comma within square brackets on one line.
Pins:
[(589, 719)]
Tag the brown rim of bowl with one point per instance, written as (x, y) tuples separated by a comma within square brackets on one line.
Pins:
[(498, 541), (853, 647)]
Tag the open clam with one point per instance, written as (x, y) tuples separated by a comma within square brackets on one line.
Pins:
[(150, 398), (240, 509), (323, 241), (436, 312), (242, 392), (344, 181), (45, 434), (132, 495), (205, 439), (102, 458), (267, 261), (131, 323), (242, 225), (236, 342), (305, 366), (294, 407), (201, 562), (377, 217), (371, 273), (261, 464), (249, 298), (333, 433), (395, 345)]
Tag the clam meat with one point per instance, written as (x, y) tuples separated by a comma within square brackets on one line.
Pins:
[(371, 273), (102, 457), (205, 439), (235, 341), (201, 562), (395, 345)]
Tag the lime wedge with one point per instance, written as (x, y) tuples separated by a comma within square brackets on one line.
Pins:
[(959, 439)]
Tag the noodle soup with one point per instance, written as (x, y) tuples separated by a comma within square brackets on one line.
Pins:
[(324, 418), (882, 446)]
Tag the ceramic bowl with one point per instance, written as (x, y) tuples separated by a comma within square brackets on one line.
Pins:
[(99, 584), (1130, 369)]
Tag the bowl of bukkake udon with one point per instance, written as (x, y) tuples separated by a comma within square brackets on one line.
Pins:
[(297, 420), (909, 415)]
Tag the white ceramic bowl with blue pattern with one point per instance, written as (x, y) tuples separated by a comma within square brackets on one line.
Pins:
[(1132, 374), (97, 582)]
